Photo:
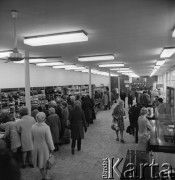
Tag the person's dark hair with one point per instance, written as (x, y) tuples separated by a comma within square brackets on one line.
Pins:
[(160, 100), (23, 111), (4, 117)]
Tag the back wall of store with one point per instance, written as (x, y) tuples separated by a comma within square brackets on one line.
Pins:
[(13, 76)]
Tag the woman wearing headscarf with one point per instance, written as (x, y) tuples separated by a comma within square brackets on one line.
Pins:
[(43, 144), (118, 120), (77, 125), (24, 127), (144, 127), (55, 127)]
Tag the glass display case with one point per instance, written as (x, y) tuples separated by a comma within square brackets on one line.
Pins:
[(163, 136)]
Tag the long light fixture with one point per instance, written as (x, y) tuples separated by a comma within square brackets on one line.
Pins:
[(118, 69), (64, 66), (96, 58), (75, 68), (167, 52), (156, 67), (50, 64), (125, 71), (112, 65), (31, 61), (5, 53), (58, 38), (160, 62), (173, 34)]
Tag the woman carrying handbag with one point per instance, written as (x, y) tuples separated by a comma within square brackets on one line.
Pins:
[(118, 120), (43, 145)]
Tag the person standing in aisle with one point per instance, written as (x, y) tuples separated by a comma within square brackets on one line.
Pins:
[(54, 123), (43, 144), (87, 108), (77, 126), (118, 120), (24, 127), (130, 99), (144, 130), (123, 96), (105, 100)]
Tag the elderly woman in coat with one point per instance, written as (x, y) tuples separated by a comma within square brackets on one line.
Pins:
[(144, 130), (54, 123), (43, 144), (24, 127), (77, 125), (118, 120)]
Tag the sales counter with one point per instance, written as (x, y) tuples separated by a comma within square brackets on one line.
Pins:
[(163, 136)]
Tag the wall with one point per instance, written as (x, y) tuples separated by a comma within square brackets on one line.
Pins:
[(13, 76)]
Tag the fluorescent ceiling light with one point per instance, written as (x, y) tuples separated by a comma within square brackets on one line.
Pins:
[(75, 68), (5, 53), (111, 65), (50, 64), (118, 69), (114, 75), (58, 38), (96, 58), (160, 63), (167, 52), (125, 71), (156, 67), (31, 61), (63, 66), (173, 34)]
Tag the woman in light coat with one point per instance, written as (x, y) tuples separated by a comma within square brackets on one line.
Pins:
[(24, 127), (144, 127), (43, 144)]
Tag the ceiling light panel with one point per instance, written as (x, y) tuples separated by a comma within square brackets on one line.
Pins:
[(160, 63), (167, 52), (5, 53), (50, 64), (112, 65), (96, 58), (63, 66), (118, 69), (59, 38), (31, 61)]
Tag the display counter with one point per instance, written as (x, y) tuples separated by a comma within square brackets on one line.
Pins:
[(163, 136)]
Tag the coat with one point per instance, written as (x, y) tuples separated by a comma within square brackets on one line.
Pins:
[(87, 108), (77, 122), (11, 131), (54, 123), (42, 141), (24, 127)]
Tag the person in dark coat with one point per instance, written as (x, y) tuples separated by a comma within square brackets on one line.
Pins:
[(54, 123), (87, 108), (123, 96), (134, 119), (77, 125), (130, 99)]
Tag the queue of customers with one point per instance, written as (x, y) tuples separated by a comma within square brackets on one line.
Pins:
[(32, 138)]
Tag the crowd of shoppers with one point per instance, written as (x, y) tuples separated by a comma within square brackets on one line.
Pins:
[(31, 138)]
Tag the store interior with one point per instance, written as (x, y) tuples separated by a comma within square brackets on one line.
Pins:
[(137, 38)]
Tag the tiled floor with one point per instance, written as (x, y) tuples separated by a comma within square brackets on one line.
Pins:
[(100, 142)]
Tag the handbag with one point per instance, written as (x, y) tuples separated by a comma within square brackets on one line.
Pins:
[(50, 161), (115, 127)]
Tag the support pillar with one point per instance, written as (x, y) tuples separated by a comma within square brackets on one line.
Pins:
[(90, 85), (27, 82)]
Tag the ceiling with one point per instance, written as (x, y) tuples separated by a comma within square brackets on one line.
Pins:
[(134, 30)]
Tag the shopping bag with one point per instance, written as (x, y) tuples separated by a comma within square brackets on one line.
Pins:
[(50, 161)]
